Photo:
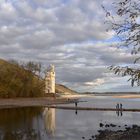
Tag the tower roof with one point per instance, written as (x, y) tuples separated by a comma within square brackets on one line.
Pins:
[(50, 68)]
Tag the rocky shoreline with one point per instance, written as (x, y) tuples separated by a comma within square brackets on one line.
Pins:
[(130, 133)]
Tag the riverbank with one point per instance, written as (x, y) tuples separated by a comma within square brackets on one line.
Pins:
[(127, 96), (117, 95), (46, 101), (34, 102)]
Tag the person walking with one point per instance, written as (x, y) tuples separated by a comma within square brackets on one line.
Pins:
[(121, 106)]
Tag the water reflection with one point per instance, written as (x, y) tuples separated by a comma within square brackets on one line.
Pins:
[(18, 124), (40, 123), (27, 123), (49, 118), (119, 109), (119, 113), (76, 111)]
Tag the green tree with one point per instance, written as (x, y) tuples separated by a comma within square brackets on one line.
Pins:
[(126, 23), (17, 81)]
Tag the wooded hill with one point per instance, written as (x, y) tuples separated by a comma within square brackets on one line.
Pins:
[(16, 81)]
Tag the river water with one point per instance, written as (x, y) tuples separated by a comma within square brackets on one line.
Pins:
[(58, 124)]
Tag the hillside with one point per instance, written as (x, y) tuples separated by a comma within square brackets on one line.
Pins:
[(64, 90), (18, 82), (15, 81)]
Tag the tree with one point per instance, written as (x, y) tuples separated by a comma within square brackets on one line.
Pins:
[(18, 79), (126, 24)]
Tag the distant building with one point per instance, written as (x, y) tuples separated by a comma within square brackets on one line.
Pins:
[(50, 80)]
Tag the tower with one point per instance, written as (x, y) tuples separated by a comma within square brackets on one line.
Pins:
[(50, 80)]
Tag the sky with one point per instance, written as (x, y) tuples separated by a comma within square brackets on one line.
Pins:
[(71, 34)]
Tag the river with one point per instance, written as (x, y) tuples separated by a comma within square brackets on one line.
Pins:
[(58, 124)]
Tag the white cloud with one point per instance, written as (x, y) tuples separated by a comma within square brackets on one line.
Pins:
[(70, 34), (8, 12), (97, 82)]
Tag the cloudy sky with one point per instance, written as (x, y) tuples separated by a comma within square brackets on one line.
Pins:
[(70, 34)]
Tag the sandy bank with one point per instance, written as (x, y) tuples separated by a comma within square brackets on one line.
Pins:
[(76, 96), (127, 96), (102, 95), (34, 102)]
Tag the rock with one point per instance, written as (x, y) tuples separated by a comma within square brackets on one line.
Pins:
[(112, 125), (107, 125), (101, 124)]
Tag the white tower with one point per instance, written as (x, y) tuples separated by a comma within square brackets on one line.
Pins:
[(50, 80)]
